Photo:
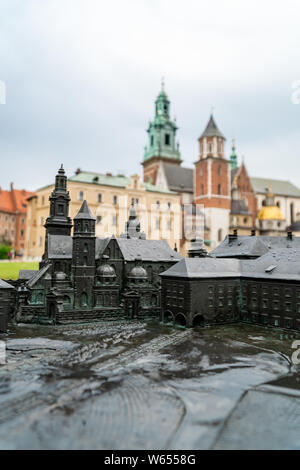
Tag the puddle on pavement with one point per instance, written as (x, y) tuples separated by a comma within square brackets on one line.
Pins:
[(134, 385)]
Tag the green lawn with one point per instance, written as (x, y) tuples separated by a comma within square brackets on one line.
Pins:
[(10, 270)]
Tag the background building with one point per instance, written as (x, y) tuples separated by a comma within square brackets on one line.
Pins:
[(109, 198), (13, 217)]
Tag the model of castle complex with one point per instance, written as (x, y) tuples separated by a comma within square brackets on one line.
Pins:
[(253, 279)]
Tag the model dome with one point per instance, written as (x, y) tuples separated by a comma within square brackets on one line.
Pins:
[(138, 272), (105, 270)]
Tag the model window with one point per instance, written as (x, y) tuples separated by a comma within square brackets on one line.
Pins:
[(210, 148), (288, 323), (99, 218), (84, 299), (152, 140), (220, 235), (220, 170), (167, 139), (219, 189), (81, 195), (115, 199), (157, 204), (99, 197)]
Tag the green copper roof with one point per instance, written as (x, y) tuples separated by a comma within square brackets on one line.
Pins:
[(162, 131), (233, 157), (211, 129), (118, 181)]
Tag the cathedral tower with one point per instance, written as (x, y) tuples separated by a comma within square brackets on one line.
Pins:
[(58, 222), (162, 146), (83, 262), (212, 181)]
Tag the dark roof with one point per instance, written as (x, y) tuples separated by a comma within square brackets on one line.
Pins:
[(204, 268), (211, 129), (26, 274), (38, 275), (279, 187), (239, 207), (5, 285), (179, 178), (60, 247), (84, 212), (282, 264), (248, 246), (146, 250)]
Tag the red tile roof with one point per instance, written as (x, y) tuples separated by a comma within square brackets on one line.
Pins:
[(21, 199), (6, 202), (14, 201)]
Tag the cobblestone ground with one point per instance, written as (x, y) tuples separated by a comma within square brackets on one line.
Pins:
[(147, 386)]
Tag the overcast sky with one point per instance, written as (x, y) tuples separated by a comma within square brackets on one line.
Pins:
[(82, 75)]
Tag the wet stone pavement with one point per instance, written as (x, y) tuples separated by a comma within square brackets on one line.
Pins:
[(149, 386)]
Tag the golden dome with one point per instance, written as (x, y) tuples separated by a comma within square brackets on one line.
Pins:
[(270, 213)]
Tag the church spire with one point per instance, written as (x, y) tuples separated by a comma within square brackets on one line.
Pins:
[(233, 157), (162, 131)]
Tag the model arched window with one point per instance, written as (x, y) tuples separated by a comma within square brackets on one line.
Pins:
[(84, 299), (219, 189), (67, 300)]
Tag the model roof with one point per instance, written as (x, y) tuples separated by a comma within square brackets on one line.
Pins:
[(84, 212), (60, 247), (252, 246), (282, 264), (5, 285)]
